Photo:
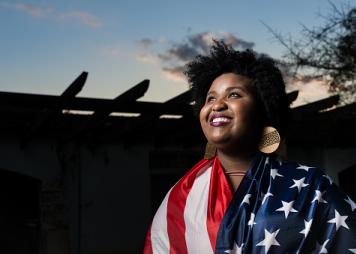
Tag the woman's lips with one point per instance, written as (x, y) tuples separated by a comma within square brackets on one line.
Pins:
[(219, 120)]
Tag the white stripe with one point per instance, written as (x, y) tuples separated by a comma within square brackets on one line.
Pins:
[(195, 215), (159, 233)]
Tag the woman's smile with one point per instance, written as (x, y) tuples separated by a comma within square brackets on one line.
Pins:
[(218, 120)]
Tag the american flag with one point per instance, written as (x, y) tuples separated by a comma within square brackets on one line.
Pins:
[(279, 207)]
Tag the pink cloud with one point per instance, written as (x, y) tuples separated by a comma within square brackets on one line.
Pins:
[(173, 58), (40, 12), (32, 10), (83, 17), (147, 58), (309, 90), (174, 74)]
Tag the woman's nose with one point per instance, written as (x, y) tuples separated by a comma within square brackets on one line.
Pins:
[(219, 105)]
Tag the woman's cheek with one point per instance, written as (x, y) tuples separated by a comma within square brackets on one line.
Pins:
[(203, 114)]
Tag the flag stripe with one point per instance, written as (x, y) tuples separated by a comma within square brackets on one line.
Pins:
[(148, 244), (220, 195), (195, 215), (159, 235), (175, 210)]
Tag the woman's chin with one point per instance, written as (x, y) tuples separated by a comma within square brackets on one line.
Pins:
[(228, 145), (220, 143)]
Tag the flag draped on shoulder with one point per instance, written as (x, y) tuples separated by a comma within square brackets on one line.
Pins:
[(190, 215), (279, 207)]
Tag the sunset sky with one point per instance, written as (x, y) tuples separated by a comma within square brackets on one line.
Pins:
[(46, 44)]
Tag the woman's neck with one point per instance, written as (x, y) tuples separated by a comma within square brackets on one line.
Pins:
[(232, 161)]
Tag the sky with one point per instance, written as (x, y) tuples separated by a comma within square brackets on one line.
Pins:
[(46, 44)]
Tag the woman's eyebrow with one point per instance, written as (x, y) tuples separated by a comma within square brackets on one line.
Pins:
[(236, 87), (229, 89)]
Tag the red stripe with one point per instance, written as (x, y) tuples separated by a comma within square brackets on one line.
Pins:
[(147, 249), (220, 195), (175, 209)]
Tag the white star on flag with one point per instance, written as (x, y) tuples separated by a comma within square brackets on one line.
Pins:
[(236, 249), (321, 248), (270, 239), (339, 221), (246, 199), (251, 222), (280, 161), (352, 250), (299, 184), (307, 225), (319, 196), (351, 203), (265, 196), (329, 178), (274, 173), (266, 161), (287, 208), (306, 168)]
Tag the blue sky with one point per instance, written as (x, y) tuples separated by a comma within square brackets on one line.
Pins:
[(46, 44)]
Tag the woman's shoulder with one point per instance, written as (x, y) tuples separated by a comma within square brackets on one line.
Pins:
[(300, 170), (318, 182)]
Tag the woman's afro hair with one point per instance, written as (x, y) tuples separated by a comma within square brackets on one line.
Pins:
[(266, 79)]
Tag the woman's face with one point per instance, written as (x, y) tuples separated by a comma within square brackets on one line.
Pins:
[(229, 115)]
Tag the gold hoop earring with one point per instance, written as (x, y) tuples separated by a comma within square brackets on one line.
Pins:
[(270, 140), (210, 151)]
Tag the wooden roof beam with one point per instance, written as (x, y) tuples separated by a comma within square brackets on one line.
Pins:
[(316, 106), (37, 124), (135, 92), (130, 95), (292, 96), (76, 86)]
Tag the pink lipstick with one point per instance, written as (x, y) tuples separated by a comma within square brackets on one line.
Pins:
[(217, 120)]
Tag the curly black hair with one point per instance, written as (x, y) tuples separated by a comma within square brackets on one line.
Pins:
[(266, 79)]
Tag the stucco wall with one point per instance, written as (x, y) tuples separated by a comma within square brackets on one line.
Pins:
[(110, 182)]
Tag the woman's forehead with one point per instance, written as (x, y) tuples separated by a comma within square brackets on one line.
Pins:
[(228, 81)]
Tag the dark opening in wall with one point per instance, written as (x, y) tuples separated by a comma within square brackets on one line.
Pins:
[(19, 213), (347, 181)]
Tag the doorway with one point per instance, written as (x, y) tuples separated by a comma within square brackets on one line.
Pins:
[(19, 213)]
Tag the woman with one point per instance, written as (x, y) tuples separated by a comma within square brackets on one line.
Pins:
[(242, 198)]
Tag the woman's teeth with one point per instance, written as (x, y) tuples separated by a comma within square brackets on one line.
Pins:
[(221, 119)]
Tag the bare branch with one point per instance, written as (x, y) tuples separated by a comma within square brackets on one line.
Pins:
[(329, 49)]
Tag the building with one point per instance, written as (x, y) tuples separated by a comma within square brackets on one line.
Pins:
[(85, 175)]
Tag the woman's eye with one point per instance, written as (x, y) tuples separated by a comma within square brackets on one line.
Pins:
[(234, 95), (209, 98)]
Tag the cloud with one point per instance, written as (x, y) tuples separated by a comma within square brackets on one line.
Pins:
[(51, 14), (115, 52), (82, 17), (32, 10), (183, 52), (309, 90), (176, 55), (174, 74), (147, 58), (145, 42), (200, 44), (235, 42)]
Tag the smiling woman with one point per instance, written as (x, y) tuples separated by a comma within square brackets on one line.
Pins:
[(243, 198), (229, 118)]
